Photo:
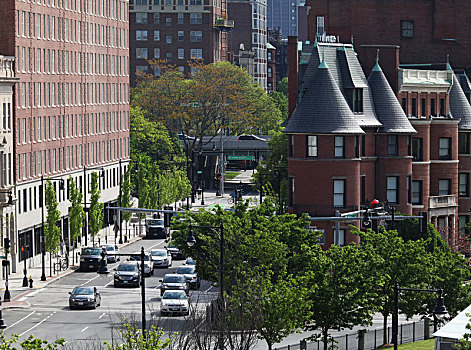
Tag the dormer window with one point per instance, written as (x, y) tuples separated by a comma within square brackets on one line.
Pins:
[(358, 100)]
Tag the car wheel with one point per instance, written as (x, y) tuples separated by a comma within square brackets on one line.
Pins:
[(152, 272), (115, 285), (187, 313), (163, 314), (71, 307), (95, 305)]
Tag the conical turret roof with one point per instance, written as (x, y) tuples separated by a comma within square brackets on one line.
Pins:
[(387, 107), (459, 105), (323, 109)]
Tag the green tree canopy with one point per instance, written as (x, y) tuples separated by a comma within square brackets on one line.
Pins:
[(52, 232), (96, 208), (77, 214)]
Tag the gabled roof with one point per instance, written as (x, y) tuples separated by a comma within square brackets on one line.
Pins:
[(387, 107), (459, 105), (323, 109), (347, 73), (464, 82)]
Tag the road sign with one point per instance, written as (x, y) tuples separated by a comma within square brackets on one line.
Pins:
[(241, 157)]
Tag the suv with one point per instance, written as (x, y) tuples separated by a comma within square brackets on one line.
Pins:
[(148, 263), (111, 251), (173, 281), (155, 228), (127, 274), (190, 274), (90, 258)]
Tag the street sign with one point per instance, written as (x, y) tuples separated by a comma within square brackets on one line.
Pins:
[(241, 157)]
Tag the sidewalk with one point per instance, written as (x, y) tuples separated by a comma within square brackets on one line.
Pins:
[(34, 271)]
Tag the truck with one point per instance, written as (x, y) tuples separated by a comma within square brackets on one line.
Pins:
[(155, 228)]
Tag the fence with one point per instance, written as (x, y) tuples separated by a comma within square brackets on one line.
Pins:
[(371, 339)]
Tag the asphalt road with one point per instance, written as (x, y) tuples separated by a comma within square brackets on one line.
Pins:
[(48, 315)]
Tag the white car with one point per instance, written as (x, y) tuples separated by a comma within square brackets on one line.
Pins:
[(111, 251), (174, 302), (148, 264), (161, 258)]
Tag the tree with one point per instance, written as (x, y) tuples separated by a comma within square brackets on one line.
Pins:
[(345, 294), (31, 343), (282, 86), (132, 338), (124, 198), (96, 208), (216, 97), (52, 232), (281, 101), (76, 213)]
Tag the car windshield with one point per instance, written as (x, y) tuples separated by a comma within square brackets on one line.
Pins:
[(174, 279), (186, 269), (156, 222), (110, 248), (159, 253), (171, 245), (137, 257), (82, 290), (190, 261), (91, 251), (174, 295), (127, 267)]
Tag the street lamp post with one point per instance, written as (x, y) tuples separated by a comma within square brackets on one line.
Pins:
[(191, 240), (439, 310), (103, 270), (43, 237)]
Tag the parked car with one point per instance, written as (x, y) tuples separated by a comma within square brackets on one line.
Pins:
[(161, 258), (175, 252), (174, 302), (155, 228), (111, 251), (90, 258), (173, 281), (84, 297), (189, 271), (148, 263), (127, 274)]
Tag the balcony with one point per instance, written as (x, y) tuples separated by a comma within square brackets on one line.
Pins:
[(224, 25), (442, 201)]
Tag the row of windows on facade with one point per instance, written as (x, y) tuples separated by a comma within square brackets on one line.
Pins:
[(414, 111), (142, 53), (195, 18), (167, 2), (50, 61), (60, 159), (70, 94), (47, 27), (31, 198), (258, 23), (414, 148), (38, 129), (113, 9), (196, 36)]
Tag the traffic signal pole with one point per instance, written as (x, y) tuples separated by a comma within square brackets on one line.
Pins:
[(6, 266)]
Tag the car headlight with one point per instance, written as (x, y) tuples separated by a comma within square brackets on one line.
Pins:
[(181, 287), (185, 308)]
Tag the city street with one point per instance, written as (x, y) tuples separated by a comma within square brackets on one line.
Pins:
[(46, 314)]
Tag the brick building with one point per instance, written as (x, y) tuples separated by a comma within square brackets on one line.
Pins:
[(425, 31), (250, 32), (177, 31), (71, 113), (353, 139)]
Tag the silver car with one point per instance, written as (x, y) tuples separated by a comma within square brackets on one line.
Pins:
[(172, 281), (148, 265), (174, 302), (161, 258), (111, 251)]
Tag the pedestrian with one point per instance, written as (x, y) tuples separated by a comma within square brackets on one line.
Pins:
[(61, 246)]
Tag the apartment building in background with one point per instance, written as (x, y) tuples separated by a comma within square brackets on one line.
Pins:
[(71, 111), (283, 14), (178, 32), (250, 35)]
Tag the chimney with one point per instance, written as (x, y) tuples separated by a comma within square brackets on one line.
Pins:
[(293, 65)]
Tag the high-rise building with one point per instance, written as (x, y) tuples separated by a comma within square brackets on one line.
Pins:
[(283, 14), (71, 113), (250, 34), (177, 31)]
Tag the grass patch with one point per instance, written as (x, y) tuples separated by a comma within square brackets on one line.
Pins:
[(428, 344), (231, 174)]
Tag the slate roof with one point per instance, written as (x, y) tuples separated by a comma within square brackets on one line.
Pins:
[(347, 73), (387, 107), (323, 109), (464, 82), (459, 105)]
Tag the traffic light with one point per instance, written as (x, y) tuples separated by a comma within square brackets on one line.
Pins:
[(6, 244), (366, 219)]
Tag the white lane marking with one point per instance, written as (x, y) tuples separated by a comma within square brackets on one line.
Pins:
[(156, 245), (14, 324), (110, 282), (37, 324), (103, 314), (208, 289), (88, 281), (84, 329), (22, 299)]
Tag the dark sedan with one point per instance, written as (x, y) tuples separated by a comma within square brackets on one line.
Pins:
[(176, 254), (127, 274), (83, 297)]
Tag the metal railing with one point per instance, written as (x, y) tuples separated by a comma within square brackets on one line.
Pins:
[(442, 201), (370, 339)]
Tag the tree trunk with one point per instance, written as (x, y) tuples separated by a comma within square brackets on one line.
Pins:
[(270, 346), (325, 336)]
